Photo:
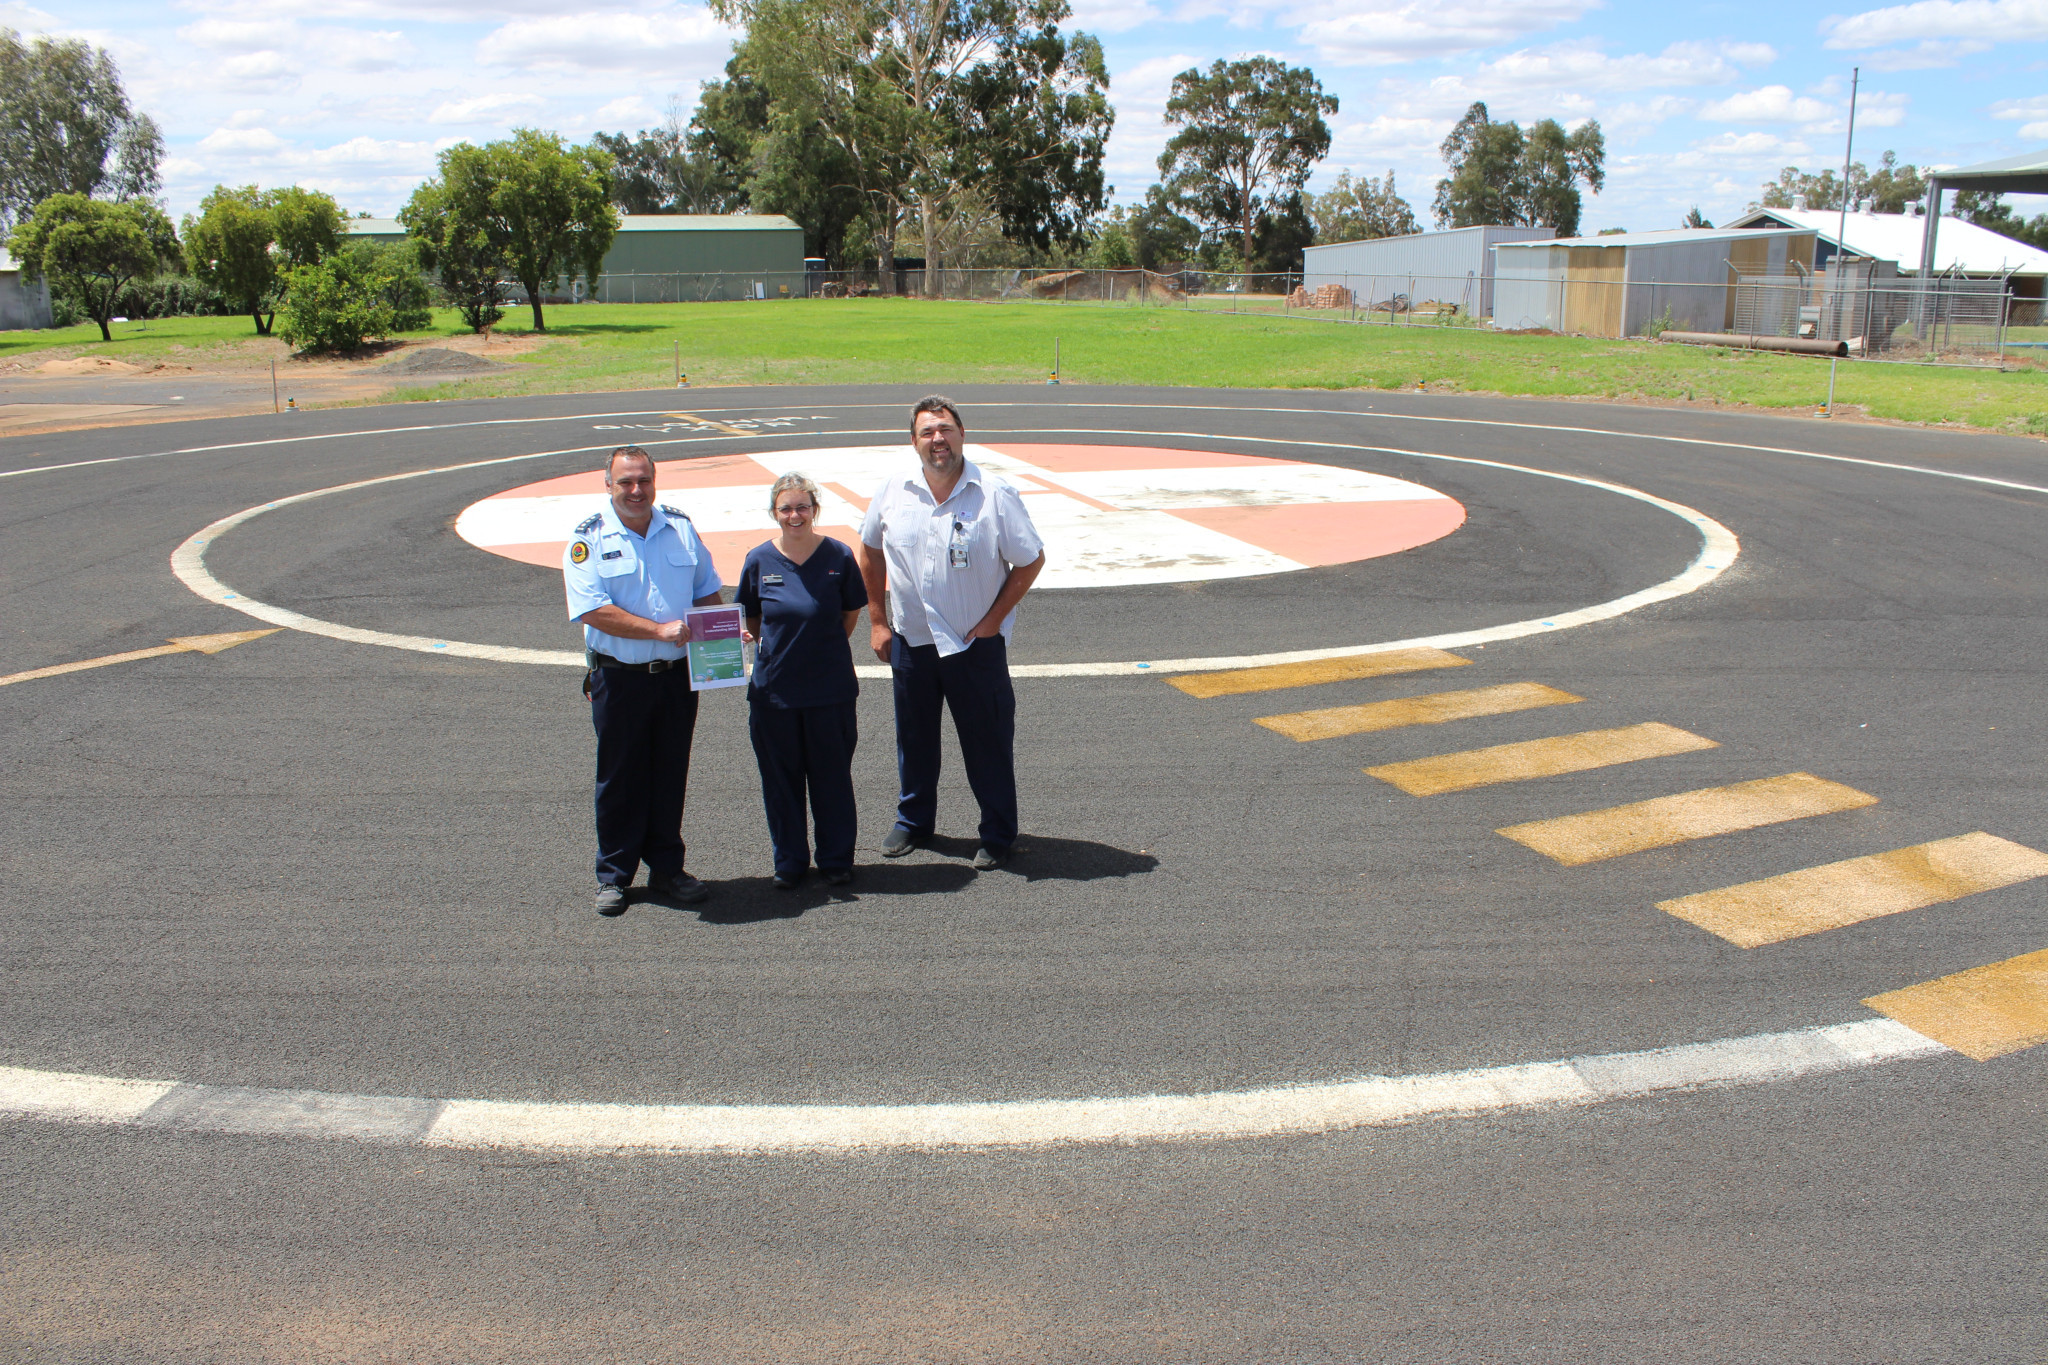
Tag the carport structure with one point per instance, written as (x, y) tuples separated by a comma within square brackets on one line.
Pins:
[(2026, 173)]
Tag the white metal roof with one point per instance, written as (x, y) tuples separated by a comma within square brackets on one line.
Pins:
[(1660, 238), (7, 262), (1961, 245)]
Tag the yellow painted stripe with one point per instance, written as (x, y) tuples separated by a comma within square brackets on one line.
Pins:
[(1828, 897), (183, 644), (1985, 1012), (1433, 709), (1538, 758), (1597, 834), (1273, 677)]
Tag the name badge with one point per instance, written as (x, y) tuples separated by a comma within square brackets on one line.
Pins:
[(960, 537), (771, 580)]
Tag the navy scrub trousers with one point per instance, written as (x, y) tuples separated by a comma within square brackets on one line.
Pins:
[(645, 722), (975, 686), (804, 749)]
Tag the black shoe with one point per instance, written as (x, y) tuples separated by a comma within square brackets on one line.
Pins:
[(899, 842), (785, 881), (988, 860), (838, 876), (611, 901), (682, 888)]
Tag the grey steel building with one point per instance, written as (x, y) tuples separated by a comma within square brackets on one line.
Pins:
[(1451, 267)]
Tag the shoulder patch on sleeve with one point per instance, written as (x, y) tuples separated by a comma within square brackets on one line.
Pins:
[(579, 551), (590, 524), (676, 512)]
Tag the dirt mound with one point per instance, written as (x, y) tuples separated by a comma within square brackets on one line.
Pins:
[(438, 360), (88, 364)]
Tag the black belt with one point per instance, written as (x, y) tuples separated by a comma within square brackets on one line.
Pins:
[(598, 660)]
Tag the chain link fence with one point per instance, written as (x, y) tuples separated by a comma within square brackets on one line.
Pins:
[(1855, 307)]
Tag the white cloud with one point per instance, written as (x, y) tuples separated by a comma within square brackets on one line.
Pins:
[(355, 49), (1583, 67), (1383, 32), (27, 18), (260, 71), (241, 142), (684, 42), (1969, 20), (239, 35), (1926, 56), (622, 111), (2032, 130), (1112, 16), (491, 109), (2032, 106), (1768, 104)]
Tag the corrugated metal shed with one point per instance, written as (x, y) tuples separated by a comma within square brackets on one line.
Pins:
[(1617, 286), (1454, 267), (23, 306)]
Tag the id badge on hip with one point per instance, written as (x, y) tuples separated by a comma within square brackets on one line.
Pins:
[(958, 558)]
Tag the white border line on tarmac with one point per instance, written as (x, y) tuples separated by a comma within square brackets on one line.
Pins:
[(1372, 1102), (1126, 407), (1719, 549)]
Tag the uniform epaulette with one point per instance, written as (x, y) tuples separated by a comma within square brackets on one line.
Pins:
[(678, 513), (589, 524)]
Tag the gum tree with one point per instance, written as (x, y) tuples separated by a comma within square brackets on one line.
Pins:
[(90, 250)]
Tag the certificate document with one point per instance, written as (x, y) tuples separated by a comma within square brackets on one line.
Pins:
[(718, 656)]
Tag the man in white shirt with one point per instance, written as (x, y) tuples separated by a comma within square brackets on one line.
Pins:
[(954, 551)]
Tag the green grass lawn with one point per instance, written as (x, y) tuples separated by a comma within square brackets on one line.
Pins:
[(857, 341)]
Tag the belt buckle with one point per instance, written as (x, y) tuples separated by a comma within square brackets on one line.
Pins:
[(660, 665)]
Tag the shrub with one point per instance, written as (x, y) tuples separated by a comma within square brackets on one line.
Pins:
[(402, 284), (334, 305)]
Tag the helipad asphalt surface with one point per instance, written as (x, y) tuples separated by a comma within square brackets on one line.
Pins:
[(343, 869)]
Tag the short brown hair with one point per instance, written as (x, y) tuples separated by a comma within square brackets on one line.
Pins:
[(631, 453), (934, 403)]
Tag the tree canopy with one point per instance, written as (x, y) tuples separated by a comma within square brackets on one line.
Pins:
[(669, 170), (1888, 189), (1360, 210), (1250, 132), (1501, 175), (90, 250), (528, 206), (66, 127), (244, 241), (927, 107)]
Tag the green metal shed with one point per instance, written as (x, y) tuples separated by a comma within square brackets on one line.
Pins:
[(665, 257)]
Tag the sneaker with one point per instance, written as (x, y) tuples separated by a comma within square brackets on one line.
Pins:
[(988, 860), (838, 876), (899, 842), (682, 888), (784, 881), (611, 901)]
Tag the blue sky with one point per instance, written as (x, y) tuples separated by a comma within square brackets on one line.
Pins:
[(1700, 102)]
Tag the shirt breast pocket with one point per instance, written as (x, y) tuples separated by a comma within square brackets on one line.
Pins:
[(612, 568)]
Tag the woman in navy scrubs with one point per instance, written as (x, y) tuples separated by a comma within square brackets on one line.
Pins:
[(802, 593)]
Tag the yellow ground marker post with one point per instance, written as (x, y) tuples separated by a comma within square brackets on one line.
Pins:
[(1433, 709), (1595, 835), (1273, 677), (1814, 899), (1983, 1013), (183, 644), (1539, 758)]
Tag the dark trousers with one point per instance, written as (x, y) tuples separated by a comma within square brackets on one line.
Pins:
[(645, 722), (799, 748), (975, 686)]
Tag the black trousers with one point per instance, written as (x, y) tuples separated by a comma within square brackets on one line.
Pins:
[(645, 722), (807, 748), (975, 686)]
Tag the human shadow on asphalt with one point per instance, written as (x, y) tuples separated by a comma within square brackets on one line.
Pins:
[(754, 900), (1042, 858)]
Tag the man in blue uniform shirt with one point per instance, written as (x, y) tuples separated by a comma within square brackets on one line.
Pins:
[(955, 551), (631, 571)]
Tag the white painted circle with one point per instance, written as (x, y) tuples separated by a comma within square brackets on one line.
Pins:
[(1110, 515), (1718, 551)]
